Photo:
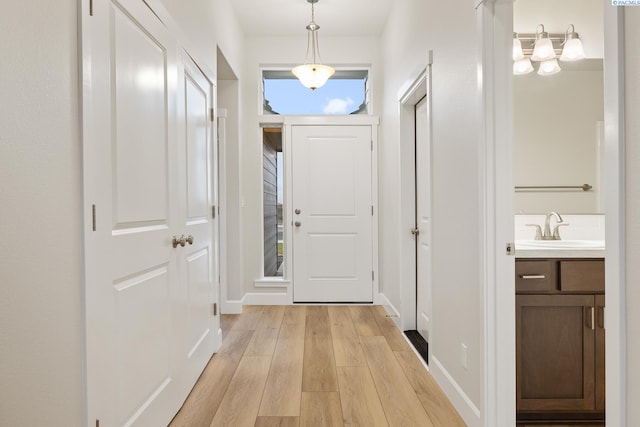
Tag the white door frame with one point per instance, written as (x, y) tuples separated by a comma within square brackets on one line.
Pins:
[(420, 88), (496, 31)]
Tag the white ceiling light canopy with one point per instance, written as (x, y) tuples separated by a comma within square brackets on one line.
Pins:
[(572, 50), (313, 74)]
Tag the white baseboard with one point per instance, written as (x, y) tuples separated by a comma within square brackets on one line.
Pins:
[(231, 307), (463, 404), (266, 299), (393, 313)]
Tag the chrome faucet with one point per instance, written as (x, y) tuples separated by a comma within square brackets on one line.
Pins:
[(546, 234)]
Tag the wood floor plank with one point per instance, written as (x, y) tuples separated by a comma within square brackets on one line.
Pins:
[(346, 345), (277, 422), (264, 339), (360, 402), (390, 331), (204, 400), (283, 389), (366, 325), (433, 399), (399, 400), (319, 373), (241, 402), (249, 319), (227, 321), (321, 409)]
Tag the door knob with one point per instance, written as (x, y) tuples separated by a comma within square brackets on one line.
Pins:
[(415, 231), (297, 211), (181, 241), (189, 239), (297, 223)]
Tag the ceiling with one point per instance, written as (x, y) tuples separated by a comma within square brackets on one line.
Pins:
[(290, 17)]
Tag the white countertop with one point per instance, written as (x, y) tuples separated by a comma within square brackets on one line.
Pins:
[(560, 249)]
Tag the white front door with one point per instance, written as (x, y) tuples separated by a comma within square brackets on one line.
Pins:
[(149, 322), (423, 218), (332, 222)]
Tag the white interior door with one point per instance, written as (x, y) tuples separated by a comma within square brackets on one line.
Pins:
[(199, 328), (148, 312), (332, 213), (423, 218)]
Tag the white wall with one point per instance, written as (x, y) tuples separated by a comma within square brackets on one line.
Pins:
[(283, 51), (41, 296), (449, 28), (632, 81)]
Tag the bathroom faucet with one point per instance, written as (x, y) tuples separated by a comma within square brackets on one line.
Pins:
[(546, 234)]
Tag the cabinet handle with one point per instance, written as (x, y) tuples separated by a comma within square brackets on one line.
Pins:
[(592, 318), (532, 276)]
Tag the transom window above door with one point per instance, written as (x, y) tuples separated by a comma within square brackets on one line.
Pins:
[(347, 92)]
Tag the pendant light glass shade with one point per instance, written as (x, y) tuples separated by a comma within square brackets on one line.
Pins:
[(572, 50), (313, 74), (543, 47), (549, 67), (522, 66), (517, 48)]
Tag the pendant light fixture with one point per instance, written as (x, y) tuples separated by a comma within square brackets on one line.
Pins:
[(313, 74), (572, 50)]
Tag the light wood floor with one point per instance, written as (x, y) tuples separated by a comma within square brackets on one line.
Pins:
[(315, 366)]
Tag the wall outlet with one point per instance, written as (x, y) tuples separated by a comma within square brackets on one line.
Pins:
[(463, 356)]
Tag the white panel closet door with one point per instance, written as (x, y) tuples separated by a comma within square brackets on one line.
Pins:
[(148, 312), (332, 219), (196, 260), (423, 218)]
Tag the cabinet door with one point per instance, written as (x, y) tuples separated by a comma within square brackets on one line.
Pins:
[(555, 364), (600, 353)]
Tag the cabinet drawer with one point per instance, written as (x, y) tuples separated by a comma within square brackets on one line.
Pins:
[(534, 276), (582, 276)]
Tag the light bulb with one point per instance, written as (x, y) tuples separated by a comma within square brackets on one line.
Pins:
[(522, 66), (549, 67)]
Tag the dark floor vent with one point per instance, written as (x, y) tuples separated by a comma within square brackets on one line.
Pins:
[(419, 343)]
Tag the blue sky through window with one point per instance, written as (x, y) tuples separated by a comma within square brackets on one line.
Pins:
[(337, 96)]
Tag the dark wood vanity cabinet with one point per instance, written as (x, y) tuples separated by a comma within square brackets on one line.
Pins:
[(560, 339)]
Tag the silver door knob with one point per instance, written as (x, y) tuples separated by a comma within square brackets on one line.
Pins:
[(297, 223), (181, 241), (297, 211), (415, 231), (189, 239)]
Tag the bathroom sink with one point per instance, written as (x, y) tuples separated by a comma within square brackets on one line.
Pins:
[(560, 244)]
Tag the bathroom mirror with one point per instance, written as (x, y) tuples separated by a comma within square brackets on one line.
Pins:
[(559, 118)]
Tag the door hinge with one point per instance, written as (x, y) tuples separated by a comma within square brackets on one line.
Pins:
[(97, 423), (372, 276), (215, 308), (211, 115), (90, 7), (213, 212), (510, 249), (371, 210), (93, 217), (372, 145)]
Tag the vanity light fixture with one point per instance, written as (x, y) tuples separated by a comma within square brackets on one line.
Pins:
[(313, 74), (522, 66), (543, 47), (549, 67), (517, 48), (572, 50)]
